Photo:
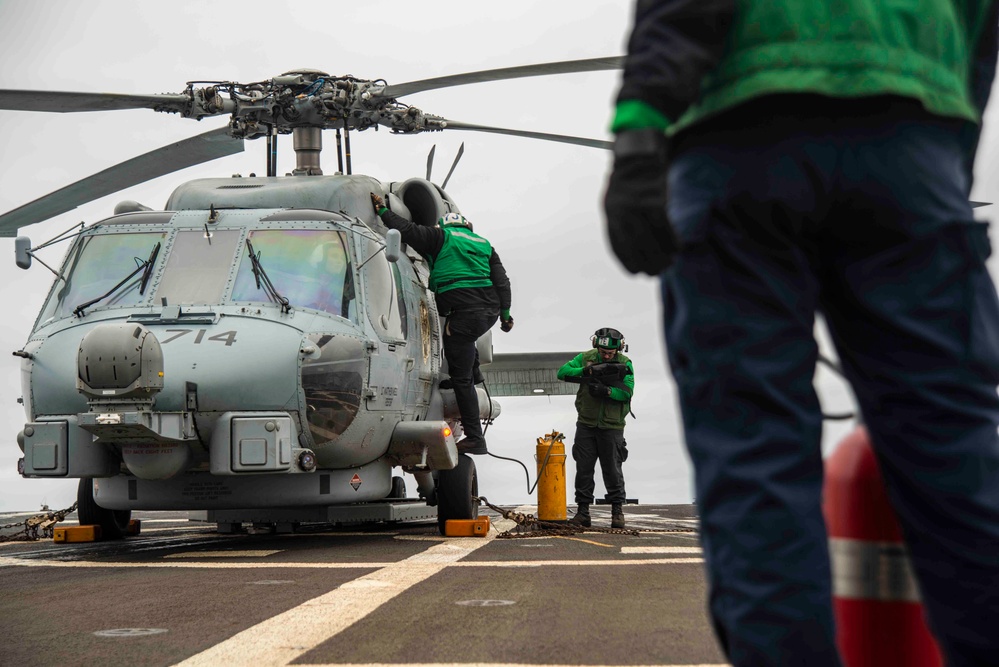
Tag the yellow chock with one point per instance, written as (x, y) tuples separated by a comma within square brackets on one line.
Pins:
[(467, 527), (550, 457), (77, 534)]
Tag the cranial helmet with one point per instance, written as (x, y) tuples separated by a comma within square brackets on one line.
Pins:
[(608, 339), (454, 219)]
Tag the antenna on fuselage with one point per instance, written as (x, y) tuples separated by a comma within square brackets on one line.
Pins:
[(461, 149), (430, 160)]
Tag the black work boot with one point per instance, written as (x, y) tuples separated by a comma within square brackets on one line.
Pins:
[(472, 444), (617, 516), (582, 517)]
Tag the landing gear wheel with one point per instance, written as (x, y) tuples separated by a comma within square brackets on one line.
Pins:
[(113, 523), (398, 490), (455, 489)]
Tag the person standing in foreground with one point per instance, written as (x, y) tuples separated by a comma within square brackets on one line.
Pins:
[(607, 382), (472, 290), (820, 161)]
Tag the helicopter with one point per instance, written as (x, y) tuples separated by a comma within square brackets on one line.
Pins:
[(263, 349)]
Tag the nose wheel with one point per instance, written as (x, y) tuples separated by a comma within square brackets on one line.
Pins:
[(113, 523), (455, 491)]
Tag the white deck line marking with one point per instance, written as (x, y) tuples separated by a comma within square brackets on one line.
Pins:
[(287, 636), (8, 561), (601, 563), (250, 553), (502, 664), (660, 550), (174, 529)]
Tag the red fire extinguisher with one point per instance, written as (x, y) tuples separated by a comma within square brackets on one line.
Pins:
[(879, 616)]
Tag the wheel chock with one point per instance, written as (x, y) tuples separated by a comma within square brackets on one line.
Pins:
[(467, 527), (77, 534), (133, 528)]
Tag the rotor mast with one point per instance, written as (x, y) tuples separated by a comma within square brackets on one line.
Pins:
[(308, 144)]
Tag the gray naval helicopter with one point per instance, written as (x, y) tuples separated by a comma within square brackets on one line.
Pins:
[(263, 349)]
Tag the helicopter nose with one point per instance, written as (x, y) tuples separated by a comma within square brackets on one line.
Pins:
[(120, 370)]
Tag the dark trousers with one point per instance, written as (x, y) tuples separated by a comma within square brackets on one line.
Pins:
[(461, 330), (599, 444), (868, 223)]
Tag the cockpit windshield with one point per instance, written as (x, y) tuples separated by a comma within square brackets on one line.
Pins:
[(310, 268), (98, 263)]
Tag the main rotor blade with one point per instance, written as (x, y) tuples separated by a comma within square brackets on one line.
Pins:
[(542, 69), (68, 102), (187, 153), (579, 141)]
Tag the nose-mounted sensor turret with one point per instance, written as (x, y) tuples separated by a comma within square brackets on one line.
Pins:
[(119, 362)]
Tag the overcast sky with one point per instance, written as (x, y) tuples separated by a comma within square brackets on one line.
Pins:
[(538, 202)]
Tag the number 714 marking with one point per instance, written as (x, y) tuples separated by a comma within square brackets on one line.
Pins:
[(227, 337)]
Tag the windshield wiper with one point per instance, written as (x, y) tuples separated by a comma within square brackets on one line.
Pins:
[(263, 281), (147, 266)]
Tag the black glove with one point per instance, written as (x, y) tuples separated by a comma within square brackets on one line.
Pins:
[(635, 203), (506, 325), (598, 390)]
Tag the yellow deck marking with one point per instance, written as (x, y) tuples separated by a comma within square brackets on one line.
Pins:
[(580, 539)]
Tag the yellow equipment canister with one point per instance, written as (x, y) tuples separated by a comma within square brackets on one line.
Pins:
[(551, 477)]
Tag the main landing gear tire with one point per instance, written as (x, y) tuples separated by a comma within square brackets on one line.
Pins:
[(455, 489), (113, 523)]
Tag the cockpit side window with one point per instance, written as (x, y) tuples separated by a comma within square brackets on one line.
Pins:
[(384, 296), (400, 295), (309, 267), (94, 265)]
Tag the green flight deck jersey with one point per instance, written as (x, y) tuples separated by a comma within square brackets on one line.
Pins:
[(600, 412)]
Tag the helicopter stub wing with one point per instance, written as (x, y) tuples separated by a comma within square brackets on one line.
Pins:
[(528, 374), (60, 101), (566, 139), (519, 72), (160, 162)]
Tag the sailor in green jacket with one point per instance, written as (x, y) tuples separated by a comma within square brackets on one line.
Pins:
[(607, 382), (472, 291)]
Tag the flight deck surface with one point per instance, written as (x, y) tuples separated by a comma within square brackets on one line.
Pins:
[(180, 593)]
